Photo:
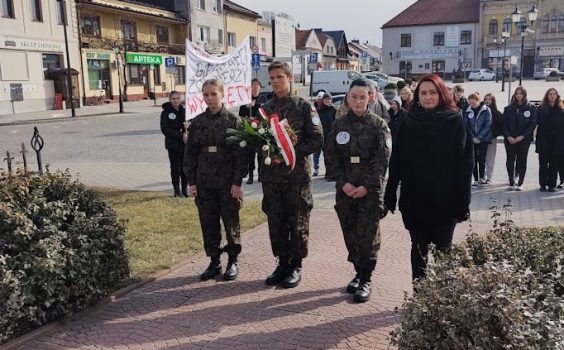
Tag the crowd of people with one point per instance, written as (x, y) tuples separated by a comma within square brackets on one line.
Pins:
[(432, 142)]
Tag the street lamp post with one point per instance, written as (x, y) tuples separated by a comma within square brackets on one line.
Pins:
[(504, 37), (118, 65), (63, 8), (522, 26)]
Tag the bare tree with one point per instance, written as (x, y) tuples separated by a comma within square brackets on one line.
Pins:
[(268, 16)]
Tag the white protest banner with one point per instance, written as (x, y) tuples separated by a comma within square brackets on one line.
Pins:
[(233, 70)]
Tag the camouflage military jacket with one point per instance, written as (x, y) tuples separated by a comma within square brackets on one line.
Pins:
[(358, 150), (208, 160), (303, 118)]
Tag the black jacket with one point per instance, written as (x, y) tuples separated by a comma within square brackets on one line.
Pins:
[(327, 116), (462, 103), (245, 111), (172, 126), (432, 158), (395, 120), (519, 120), (550, 130), (497, 123)]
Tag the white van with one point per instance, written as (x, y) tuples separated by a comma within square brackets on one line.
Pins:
[(333, 81)]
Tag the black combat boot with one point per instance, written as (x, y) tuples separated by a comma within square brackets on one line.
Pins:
[(353, 284), (280, 273), (294, 275), (250, 180), (213, 269), (232, 269), (364, 289)]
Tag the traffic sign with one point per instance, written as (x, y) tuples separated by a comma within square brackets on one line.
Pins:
[(363, 54), (170, 62), (255, 57), (255, 65), (313, 57)]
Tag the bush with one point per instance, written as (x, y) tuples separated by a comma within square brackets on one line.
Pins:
[(61, 250), (501, 291)]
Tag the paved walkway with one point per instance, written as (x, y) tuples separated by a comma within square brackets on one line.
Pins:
[(180, 312)]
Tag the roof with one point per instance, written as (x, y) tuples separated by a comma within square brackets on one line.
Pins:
[(430, 12), (231, 6), (301, 38), (146, 7), (162, 4), (337, 35)]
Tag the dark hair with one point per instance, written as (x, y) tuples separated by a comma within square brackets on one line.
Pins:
[(174, 92), (493, 104), (458, 88), (281, 65), (445, 98), (523, 91), (400, 84), (546, 104), (255, 80), (362, 82)]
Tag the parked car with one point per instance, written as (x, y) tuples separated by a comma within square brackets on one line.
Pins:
[(381, 82), (544, 73), (481, 74), (337, 100), (384, 76), (332, 81)]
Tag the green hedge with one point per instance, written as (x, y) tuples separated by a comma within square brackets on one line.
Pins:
[(500, 291), (61, 250)]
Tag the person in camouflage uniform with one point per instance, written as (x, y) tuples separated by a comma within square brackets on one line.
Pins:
[(287, 198), (357, 152), (215, 171)]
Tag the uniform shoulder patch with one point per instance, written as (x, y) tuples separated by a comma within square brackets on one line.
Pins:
[(171, 116)]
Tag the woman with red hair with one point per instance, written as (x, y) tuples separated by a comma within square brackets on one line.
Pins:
[(432, 159)]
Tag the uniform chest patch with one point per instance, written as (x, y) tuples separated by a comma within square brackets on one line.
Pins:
[(527, 114), (471, 115), (171, 116), (343, 138), (315, 120)]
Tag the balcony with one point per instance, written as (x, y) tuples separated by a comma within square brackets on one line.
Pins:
[(549, 36), (108, 43)]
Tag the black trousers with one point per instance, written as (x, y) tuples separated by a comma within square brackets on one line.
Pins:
[(516, 163), (175, 156), (480, 150), (549, 165), (440, 236)]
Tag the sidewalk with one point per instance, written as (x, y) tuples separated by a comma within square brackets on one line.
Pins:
[(132, 107), (180, 312)]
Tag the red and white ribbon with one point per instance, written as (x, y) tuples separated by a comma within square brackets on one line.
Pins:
[(283, 141)]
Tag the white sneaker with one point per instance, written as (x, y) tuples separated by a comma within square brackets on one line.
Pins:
[(475, 184), (518, 188)]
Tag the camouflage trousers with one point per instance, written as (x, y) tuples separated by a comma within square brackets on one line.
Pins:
[(216, 204), (360, 223), (287, 207)]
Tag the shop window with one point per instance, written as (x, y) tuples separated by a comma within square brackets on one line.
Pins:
[(36, 11), (90, 25), (135, 74), (157, 75), (51, 62), (98, 74), (8, 8)]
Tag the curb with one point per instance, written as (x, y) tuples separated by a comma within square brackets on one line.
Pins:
[(56, 119), (55, 325)]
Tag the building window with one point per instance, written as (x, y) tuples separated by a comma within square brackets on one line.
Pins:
[(406, 40), (203, 34), (61, 13), (493, 27), (180, 75), (129, 33), (8, 8), (220, 36), (135, 74), (217, 7), (201, 4), (36, 11), (90, 25), (51, 62), (231, 40), (252, 41), (545, 23), (162, 34), (507, 24), (438, 66), (553, 24), (405, 68), (263, 44), (465, 37), (439, 39), (561, 24)]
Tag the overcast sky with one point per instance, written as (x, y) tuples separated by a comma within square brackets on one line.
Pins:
[(360, 19)]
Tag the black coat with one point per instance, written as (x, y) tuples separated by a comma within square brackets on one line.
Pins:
[(432, 158), (172, 126), (550, 130), (519, 120), (395, 121), (497, 123), (327, 116), (245, 111)]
